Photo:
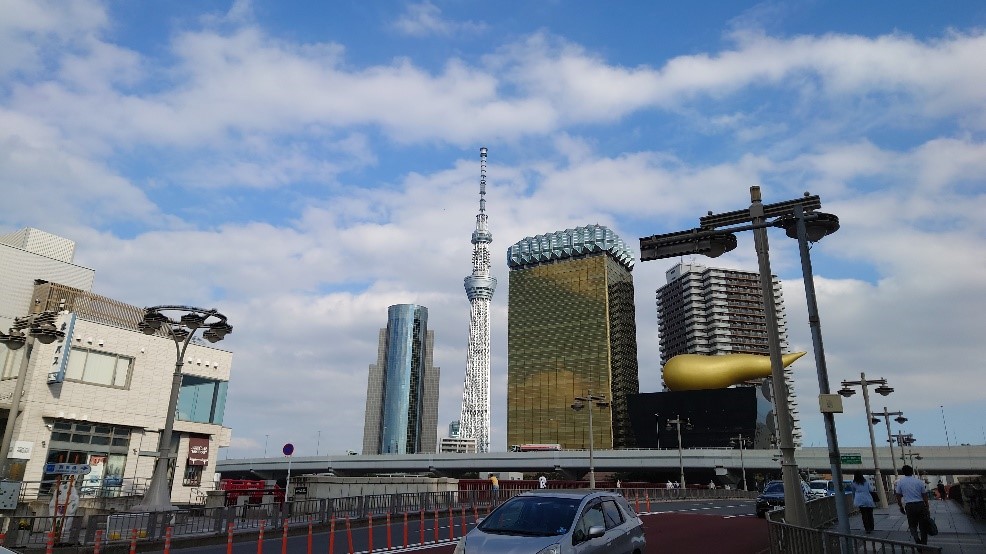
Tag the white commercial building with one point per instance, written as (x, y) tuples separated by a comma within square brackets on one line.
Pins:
[(105, 405)]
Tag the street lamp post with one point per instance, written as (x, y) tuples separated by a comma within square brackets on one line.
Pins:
[(907, 440), (657, 428), (39, 327), (886, 418), (742, 442), (678, 422), (180, 328), (581, 402), (715, 237), (884, 390)]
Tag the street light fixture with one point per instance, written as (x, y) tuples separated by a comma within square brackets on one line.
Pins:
[(741, 441), (678, 422), (884, 390), (180, 329), (39, 327), (580, 402), (886, 418), (715, 236)]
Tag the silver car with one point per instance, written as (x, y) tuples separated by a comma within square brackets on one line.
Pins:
[(558, 522)]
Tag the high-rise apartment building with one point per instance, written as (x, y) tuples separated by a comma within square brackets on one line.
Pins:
[(402, 388), (708, 310), (571, 331)]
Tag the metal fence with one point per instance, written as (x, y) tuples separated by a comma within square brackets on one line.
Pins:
[(790, 539), (122, 527), (816, 539)]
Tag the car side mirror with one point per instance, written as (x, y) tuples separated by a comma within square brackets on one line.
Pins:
[(596, 531)]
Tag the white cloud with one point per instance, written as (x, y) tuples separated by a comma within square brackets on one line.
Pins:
[(425, 19), (141, 158)]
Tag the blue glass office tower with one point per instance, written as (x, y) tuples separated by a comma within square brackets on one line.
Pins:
[(402, 388)]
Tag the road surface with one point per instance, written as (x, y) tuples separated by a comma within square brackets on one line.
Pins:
[(727, 526)]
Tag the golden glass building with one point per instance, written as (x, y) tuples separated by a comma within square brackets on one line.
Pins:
[(570, 331)]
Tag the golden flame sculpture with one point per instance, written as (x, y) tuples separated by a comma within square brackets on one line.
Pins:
[(700, 372)]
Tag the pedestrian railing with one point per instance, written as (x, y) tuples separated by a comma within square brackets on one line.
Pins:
[(786, 538), (461, 509), (791, 539)]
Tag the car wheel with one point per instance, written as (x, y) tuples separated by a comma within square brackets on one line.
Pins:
[(761, 514)]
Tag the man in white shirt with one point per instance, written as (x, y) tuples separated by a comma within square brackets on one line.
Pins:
[(912, 498)]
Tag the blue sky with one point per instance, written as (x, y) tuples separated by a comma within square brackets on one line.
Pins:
[(303, 165)]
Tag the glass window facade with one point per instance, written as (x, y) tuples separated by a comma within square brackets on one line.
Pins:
[(402, 389), (104, 447), (202, 400), (571, 330)]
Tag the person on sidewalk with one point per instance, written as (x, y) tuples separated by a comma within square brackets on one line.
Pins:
[(862, 498), (941, 490), (912, 498)]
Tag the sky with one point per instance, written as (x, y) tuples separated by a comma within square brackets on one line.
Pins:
[(301, 166)]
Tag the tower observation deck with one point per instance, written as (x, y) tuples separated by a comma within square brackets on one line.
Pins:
[(474, 420)]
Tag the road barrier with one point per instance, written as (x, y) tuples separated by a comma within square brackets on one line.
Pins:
[(252, 520)]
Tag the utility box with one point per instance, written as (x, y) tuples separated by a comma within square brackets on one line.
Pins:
[(830, 403)]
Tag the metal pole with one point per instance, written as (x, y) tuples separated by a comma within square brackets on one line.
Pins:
[(158, 497), (657, 422), (15, 406), (835, 458), (681, 463), (876, 462), (890, 439), (794, 500), (742, 463), (945, 425), (592, 471)]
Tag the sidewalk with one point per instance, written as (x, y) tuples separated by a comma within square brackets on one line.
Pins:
[(957, 532)]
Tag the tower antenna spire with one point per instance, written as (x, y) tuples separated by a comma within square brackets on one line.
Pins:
[(474, 419)]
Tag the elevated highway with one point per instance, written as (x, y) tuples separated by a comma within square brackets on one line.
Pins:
[(935, 460)]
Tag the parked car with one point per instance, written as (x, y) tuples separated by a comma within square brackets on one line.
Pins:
[(826, 487), (772, 496), (554, 521)]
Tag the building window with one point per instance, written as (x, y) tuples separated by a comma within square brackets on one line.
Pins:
[(193, 476), (202, 400), (9, 362), (98, 368)]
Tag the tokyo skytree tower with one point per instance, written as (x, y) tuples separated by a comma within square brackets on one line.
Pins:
[(474, 421)]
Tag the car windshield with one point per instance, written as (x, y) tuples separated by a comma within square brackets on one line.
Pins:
[(535, 516), (776, 486), (819, 485)]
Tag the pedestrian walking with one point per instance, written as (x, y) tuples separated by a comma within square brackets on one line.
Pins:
[(542, 482), (862, 498), (912, 498), (941, 490)]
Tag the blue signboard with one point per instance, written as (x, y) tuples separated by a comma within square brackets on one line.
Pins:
[(68, 469), (60, 364), (288, 449)]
